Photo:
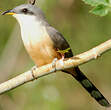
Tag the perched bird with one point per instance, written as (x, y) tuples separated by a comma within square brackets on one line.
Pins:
[(44, 43)]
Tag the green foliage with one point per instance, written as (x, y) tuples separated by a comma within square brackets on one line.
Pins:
[(101, 7)]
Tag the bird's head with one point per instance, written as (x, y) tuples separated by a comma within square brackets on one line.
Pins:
[(24, 12)]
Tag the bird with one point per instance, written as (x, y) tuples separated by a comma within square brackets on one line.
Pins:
[(44, 43)]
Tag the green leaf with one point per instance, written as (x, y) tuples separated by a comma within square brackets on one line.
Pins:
[(101, 7), (90, 2), (96, 2), (100, 10)]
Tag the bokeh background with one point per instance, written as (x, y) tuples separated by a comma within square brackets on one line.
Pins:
[(57, 91)]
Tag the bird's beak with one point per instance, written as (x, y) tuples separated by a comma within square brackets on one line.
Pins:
[(9, 12)]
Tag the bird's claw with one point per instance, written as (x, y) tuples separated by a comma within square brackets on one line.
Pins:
[(54, 63)]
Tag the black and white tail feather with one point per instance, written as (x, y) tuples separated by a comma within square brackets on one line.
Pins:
[(89, 86)]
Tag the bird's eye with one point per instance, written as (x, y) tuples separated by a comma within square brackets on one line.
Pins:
[(25, 10)]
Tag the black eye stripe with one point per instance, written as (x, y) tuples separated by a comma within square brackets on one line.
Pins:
[(24, 10)]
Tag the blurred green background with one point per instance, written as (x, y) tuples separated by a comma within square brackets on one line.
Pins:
[(57, 91)]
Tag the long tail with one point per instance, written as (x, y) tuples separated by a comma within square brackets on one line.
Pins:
[(87, 84)]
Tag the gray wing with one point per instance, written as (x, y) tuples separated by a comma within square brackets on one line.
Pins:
[(59, 41)]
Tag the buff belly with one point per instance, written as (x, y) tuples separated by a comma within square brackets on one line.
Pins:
[(39, 46), (42, 53)]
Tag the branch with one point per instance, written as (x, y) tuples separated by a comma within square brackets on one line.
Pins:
[(35, 73)]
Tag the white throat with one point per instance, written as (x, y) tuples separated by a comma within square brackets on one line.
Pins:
[(31, 28)]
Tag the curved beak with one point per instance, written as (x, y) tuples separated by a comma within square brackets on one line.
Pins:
[(9, 12)]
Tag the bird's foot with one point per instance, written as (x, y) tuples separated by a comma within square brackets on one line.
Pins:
[(61, 60), (54, 63)]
